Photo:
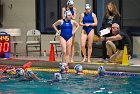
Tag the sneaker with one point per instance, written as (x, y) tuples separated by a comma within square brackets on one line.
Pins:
[(103, 60)]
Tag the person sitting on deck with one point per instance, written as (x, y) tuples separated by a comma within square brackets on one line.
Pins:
[(115, 44)]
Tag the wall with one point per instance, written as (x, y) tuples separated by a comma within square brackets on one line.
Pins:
[(132, 18), (19, 14)]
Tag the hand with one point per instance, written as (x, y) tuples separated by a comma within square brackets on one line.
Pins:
[(73, 33), (102, 39), (87, 25)]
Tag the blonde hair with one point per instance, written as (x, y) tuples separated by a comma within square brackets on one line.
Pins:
[(115, 11)]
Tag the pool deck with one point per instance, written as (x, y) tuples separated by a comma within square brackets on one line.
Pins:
[(43, 61)]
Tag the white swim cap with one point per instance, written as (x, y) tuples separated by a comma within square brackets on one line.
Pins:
[(87, 6), (101, 70), (57, 76), (20, 71), (70, 2), (62, 66), (78, 68), (67, 13)]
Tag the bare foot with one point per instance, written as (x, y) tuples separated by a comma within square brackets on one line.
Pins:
[(89, 61), (83, 60), (72, 60)]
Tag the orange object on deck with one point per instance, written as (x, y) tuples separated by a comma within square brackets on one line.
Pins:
[(27, 65), (52, 56)]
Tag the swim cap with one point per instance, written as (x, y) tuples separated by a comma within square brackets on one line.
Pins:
[(67, 13), (57, 76), (20, 71), (62, 66), (78, 68), (70, 2), (29, 73), (87, 6), (101, 70)]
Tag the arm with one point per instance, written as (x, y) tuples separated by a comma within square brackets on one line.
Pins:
[(75, 12), (95, 20), (76, 25), (56, 24), (114, 38), (63, 10), (81, 19)]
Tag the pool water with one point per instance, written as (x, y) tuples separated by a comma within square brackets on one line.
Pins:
[(72, 84)]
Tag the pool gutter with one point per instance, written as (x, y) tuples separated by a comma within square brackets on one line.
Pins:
[(86, 66)]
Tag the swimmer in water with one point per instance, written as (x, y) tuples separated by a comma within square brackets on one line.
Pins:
[(29, 76), (63, 68), (57, 78), (101, 71), (79, 69), (9, 70)]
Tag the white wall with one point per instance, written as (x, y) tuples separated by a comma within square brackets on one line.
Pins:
[(19, 14)]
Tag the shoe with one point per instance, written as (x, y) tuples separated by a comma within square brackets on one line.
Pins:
[(103, 61)]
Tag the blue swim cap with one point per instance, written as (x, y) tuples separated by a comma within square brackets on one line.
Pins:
[(78, 68)]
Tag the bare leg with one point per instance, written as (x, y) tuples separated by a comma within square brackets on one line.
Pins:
[(90, 41), (83, 43), (68, 50), (63, 45), (72, 49)]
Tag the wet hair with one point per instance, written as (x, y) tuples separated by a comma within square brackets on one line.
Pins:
[(114, 12)]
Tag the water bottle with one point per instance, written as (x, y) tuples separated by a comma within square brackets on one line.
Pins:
[(44, 52)]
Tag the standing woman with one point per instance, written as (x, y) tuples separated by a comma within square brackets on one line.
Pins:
[(88, 20), (70, 7), (66, 32), (112, 15)]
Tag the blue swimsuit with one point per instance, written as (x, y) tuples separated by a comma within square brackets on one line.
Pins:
[(66, 30), (71, 10), (88, 19)]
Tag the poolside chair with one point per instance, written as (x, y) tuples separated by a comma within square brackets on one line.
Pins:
[(33, 41), (57, 45)]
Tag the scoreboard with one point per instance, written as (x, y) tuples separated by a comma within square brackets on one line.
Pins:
[(4, 45)]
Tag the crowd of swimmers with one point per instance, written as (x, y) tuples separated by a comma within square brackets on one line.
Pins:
[(21, 74)]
